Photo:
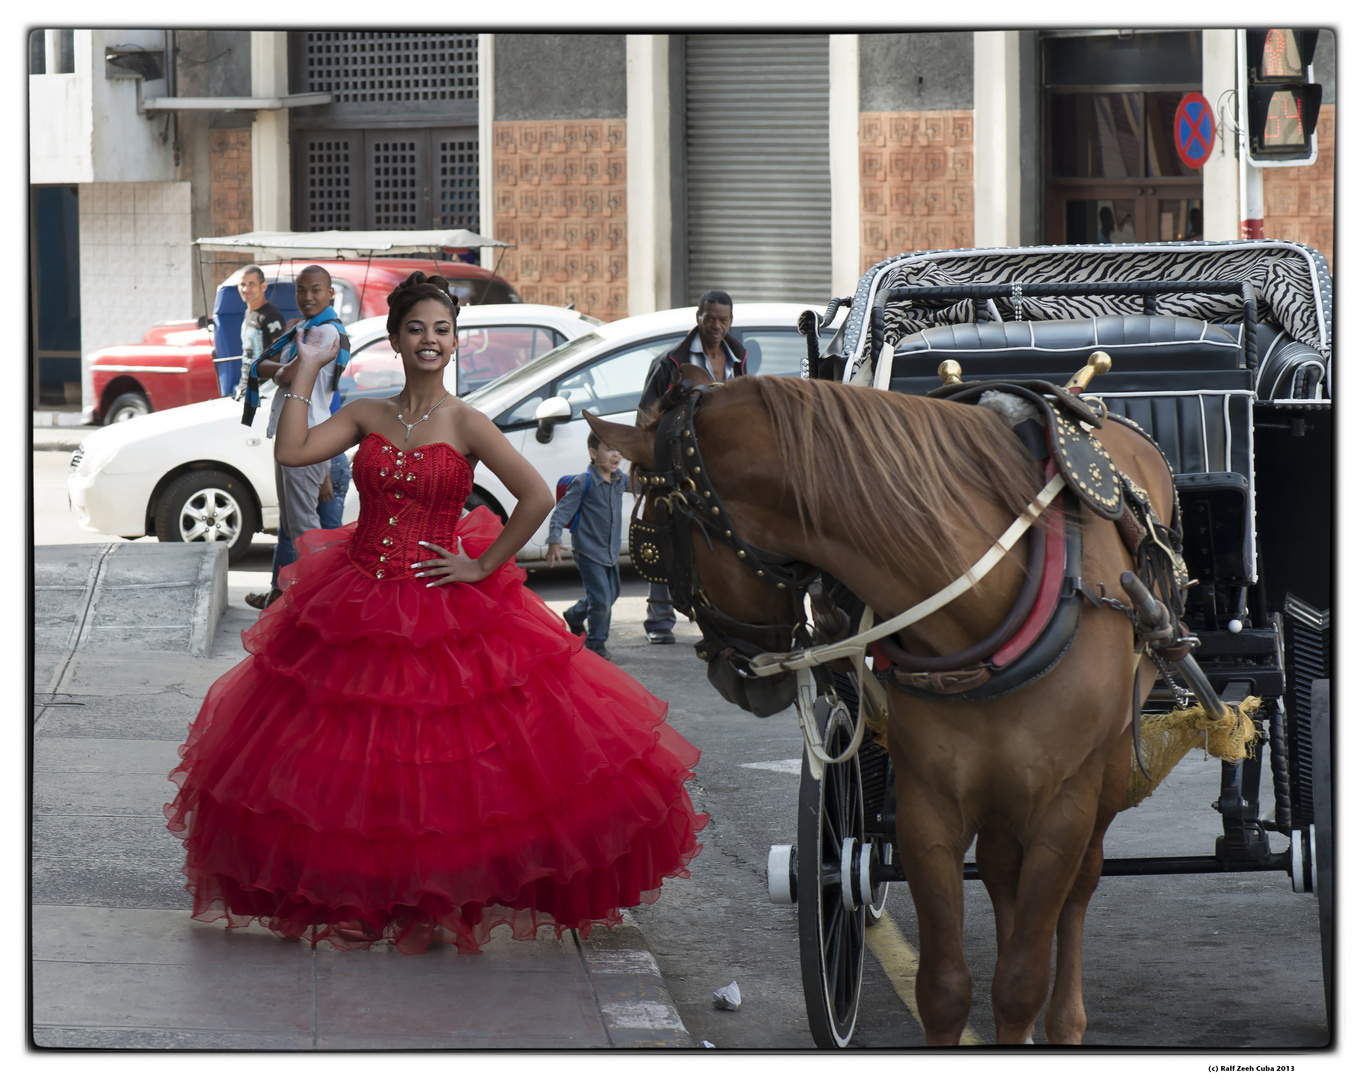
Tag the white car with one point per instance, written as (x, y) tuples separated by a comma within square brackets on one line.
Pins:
[(539, 406), (196, 473)]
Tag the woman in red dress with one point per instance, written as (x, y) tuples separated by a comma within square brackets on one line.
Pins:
[(417, 749)]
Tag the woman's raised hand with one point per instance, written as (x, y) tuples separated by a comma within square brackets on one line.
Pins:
[(451, 566), (318, 347)]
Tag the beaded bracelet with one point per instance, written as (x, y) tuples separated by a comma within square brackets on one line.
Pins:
[(297, 397)]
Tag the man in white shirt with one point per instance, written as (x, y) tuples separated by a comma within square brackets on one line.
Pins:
[(710, 346)]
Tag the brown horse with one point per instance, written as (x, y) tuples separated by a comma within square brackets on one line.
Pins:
[(895, 495)]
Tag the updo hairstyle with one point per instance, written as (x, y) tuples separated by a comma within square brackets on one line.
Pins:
[(413, 291)]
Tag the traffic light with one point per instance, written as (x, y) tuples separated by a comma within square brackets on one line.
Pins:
[(1280, 101)]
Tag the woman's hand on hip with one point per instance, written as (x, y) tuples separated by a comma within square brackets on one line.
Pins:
[(452, 566)]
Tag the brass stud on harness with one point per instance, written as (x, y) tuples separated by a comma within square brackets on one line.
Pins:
[(696, 469), (728, 533), (760, 573), (691, 451), (743, 554), (716, 510)]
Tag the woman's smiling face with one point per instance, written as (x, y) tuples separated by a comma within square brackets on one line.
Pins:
[(426, 337)]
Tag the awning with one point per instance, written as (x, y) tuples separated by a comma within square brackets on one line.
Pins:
[(339, 244)]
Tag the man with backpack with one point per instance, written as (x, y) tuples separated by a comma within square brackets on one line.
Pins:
[(591, 507)]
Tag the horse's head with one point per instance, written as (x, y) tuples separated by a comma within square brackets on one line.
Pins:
[(746, 601)]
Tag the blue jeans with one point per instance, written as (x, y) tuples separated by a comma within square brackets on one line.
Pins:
[(329, 513), (660, 616), (603, 587)]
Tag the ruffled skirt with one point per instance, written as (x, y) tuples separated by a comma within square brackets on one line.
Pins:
[(418, 764)]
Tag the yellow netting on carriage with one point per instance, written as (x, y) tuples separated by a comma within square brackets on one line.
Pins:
[(1166, 739)]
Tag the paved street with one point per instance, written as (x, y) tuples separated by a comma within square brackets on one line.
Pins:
[(1196, 962)]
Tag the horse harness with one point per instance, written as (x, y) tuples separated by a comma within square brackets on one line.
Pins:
[(1040, 627), (662, 551)]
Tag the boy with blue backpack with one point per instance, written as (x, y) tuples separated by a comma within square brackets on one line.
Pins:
[(590, 506)]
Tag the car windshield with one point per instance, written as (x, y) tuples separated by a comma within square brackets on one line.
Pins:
[(534, 371)]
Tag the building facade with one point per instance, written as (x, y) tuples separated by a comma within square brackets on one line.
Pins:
[(631, 171)]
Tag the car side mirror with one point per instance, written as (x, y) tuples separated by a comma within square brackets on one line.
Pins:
[(553, 411)]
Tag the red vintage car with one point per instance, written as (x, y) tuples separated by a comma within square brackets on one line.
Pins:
[(177, 363)]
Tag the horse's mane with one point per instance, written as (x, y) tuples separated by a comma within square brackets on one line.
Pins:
[(897, 465)]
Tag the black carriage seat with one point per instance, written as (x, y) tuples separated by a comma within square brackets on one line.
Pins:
[(1149, 352), (1288, 368), (1207, 438), (1184, 380)]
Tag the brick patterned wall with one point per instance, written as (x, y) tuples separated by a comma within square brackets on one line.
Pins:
[(135, 259), (559, 196), (917, 176), (229, 187), (1300, 201)]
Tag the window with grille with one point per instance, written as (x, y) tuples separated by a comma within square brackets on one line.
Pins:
[(360, 66), (330, 202), (386, 178), (394, 183), (457, 183)]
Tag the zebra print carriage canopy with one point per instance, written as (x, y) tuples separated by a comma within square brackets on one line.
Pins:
[(1292, 285)]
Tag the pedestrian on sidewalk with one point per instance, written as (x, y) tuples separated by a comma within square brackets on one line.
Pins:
[(591, 509), (303, 493), (711, 347), (262, 324), (417, 749)]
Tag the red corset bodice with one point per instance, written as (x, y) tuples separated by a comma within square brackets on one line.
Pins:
[(406, 495)]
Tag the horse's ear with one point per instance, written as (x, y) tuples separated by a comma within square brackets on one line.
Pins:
[(634, 444), (697, 376)]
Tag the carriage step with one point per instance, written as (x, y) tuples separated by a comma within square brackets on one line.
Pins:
[(781, 874)]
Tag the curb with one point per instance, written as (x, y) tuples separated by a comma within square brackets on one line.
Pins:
[(636, 1009), (67, 439), (136, 598)]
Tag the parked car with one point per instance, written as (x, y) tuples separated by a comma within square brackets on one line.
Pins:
[(197, 473), (493, 340), (183, 362), (539, 406)]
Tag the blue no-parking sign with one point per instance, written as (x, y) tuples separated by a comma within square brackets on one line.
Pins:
[(1195, 129)]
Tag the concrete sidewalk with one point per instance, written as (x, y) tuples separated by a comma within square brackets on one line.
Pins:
[(127, 639), (59, 429)]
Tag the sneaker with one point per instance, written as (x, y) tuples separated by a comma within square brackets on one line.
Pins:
[(261, 601), (601, 652), (575, 628), (661, 637)]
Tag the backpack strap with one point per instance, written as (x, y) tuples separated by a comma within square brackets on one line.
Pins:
[(573, 521)]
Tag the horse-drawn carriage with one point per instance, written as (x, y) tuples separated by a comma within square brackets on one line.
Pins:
[(1155, 421)]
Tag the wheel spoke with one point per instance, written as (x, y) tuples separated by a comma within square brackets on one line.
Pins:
[(832, 938)]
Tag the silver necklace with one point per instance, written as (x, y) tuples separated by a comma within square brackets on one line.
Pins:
[(416, 422)]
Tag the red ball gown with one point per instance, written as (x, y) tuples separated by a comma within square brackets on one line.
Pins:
[(423, 764)]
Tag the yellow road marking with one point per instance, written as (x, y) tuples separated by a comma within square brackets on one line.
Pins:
[(900, 962)]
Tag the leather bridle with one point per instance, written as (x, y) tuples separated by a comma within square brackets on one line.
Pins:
[(685, 498)]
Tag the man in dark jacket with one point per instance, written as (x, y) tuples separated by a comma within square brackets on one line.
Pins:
[(710, 346)]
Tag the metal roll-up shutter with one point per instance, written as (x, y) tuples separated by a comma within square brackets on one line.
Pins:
[(757, 168)]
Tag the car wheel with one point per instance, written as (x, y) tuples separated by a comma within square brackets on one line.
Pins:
[(125, 407), (208, 505)]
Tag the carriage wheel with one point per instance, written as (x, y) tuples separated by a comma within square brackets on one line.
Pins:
[(833, 938), (885, 856), (1323, 870), (877, 905)]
